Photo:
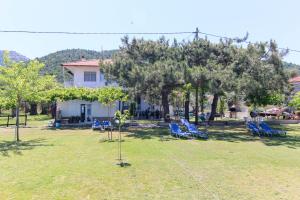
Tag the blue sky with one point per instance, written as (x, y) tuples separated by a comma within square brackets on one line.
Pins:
[(264, 20)]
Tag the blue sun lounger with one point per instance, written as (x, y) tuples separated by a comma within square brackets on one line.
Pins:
[(177, 132), (193, 129), (266, 128), (184, 121), (252, 127)]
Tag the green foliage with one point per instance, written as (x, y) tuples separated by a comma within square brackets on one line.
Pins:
[(222, 105), (291, 68), (122, 117), (295, 102), (154, 69), (22, 82), (19, 82), (151, 69), (261, 74), (109, 95), (276, 98), (105, 95), (72, 93)]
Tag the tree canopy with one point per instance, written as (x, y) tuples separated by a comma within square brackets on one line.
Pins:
[(105, 95), (149, 68), (261, 74), (21, 81), (154, 69)]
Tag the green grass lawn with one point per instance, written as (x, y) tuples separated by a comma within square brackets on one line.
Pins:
[(81, 164), (34, 120)]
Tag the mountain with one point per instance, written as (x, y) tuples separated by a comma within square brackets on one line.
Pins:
[(15, 56), (53, 61)]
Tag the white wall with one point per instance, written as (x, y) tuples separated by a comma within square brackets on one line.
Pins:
[(72, 108), (78, 72), (78, 79)]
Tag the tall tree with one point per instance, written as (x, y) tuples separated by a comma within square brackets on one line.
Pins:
[(263, 77), (19, 82), (197, 54), (148, 66), (222, 78), (199, 80)]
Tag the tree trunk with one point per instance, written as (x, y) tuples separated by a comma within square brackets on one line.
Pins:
[(45, 109), (53, 110), (197, 106), (214, 106), (26, 107), (187, 106), (17, 123), (13, 112), (33, 109), (120, 144), (165, 104), (202, 100)]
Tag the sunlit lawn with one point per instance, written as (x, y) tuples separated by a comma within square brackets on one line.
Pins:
[(81, 164)]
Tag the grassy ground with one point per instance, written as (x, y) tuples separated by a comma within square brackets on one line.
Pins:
[(81, 164), (34, 120)]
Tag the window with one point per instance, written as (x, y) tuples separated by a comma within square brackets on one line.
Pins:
[(89, 109), (89, 76)]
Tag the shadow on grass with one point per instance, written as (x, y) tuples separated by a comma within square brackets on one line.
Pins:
[(292, 142), (240, 134), (67, 128), (17, 147), (109, 140), (162, 134), (234, 134), (124, 164)]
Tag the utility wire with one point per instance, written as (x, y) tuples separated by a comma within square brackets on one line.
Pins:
[(135, 33), (247, 42), (95, 33)]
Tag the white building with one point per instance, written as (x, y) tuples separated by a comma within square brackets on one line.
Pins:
[(86, 73)]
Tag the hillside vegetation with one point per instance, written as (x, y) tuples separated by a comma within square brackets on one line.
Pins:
[(292, 68), (53, 61)]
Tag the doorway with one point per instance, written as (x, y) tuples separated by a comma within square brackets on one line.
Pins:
[(82, 112)]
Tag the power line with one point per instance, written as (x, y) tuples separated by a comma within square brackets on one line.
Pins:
[(136, 33), (95, 33), (247, 42)]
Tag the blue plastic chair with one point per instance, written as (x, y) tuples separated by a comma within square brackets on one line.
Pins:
[(176, 131), (106, 124), (96, 124)]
